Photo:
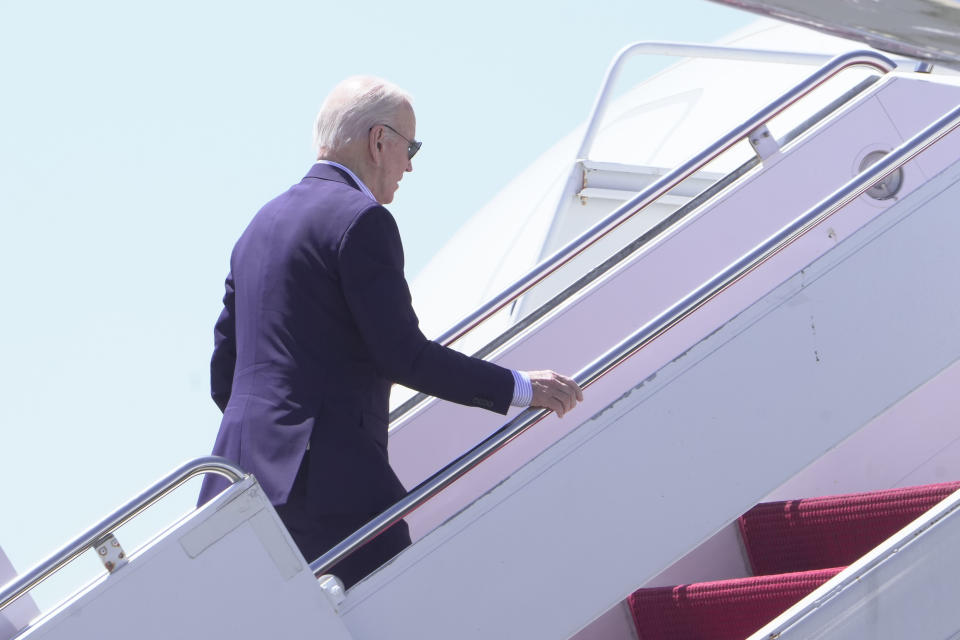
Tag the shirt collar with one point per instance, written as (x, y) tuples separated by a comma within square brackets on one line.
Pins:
[(350, 173)]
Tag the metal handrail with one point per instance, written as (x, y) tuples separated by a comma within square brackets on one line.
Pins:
[(686, 50), (666, 183), (210, 464), (646, 334), (586, 239), (682, 49), (640, 241)]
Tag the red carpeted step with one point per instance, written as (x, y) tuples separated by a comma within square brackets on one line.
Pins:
[(725, 610), (814, 533)]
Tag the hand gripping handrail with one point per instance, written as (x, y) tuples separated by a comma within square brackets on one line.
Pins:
[(662, 186), (646, 334), (210, 464)]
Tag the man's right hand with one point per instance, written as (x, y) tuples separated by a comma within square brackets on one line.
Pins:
[(554, 391)]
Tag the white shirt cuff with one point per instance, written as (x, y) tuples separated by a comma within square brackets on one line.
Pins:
[(522, 389)]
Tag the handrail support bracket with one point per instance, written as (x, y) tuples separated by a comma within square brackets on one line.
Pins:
[(763, 142), (110, 552)]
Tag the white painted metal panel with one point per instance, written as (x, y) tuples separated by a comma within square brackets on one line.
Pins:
[(930, 455), (229, 570), (684, 451)]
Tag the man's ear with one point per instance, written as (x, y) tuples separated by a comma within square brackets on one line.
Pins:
[(375, 144)]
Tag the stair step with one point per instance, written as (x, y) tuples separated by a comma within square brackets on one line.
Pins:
[(832, 531), (727, 609)]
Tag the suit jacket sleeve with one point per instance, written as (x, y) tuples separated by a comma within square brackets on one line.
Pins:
[(371, 275), (224, 358)]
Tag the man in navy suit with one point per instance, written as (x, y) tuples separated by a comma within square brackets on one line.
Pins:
[(317, 324)]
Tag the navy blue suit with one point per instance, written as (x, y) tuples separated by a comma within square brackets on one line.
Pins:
[(317, 323)]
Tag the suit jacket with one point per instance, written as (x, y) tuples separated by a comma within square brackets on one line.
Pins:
[(316, 324)]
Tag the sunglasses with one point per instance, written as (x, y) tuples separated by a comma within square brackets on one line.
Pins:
[(412, 145)]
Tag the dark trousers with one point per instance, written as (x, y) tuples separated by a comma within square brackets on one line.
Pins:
[(315, 534)]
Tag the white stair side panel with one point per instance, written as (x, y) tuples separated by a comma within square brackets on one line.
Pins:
[(578, 218), (929, 454), (229, 570), (732, 224), (684, 452)]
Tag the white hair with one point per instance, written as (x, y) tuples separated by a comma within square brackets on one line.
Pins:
[(353, 107)]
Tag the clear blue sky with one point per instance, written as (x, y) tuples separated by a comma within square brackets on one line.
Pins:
[(139, 138)]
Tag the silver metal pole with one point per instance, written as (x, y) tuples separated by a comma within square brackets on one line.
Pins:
[(685, 50)]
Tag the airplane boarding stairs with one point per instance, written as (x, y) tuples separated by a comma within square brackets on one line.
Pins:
[(673, 263), (787, 362), (653, 475)]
